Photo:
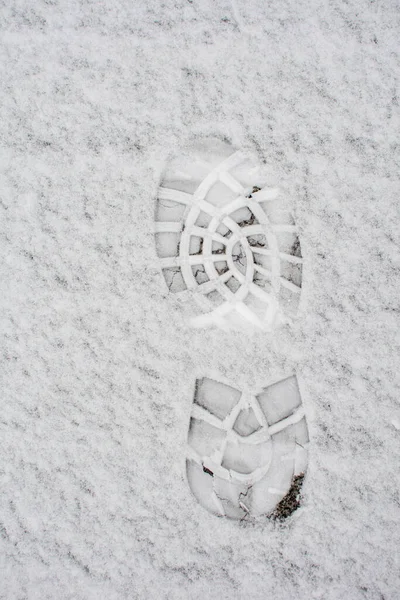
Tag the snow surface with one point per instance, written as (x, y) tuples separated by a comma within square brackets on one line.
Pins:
[(98, 367)]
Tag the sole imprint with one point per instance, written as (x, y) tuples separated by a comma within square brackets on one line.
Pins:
[(223, 237), (247, 454)]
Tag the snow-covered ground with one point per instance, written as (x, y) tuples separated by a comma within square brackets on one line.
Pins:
[(98, 363)]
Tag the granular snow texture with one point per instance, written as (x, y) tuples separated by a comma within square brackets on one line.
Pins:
[(98, 364)]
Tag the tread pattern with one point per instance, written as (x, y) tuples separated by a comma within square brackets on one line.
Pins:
[(229, 244), (244, 450)]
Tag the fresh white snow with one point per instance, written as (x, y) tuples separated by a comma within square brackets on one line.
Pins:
[(98, 363)]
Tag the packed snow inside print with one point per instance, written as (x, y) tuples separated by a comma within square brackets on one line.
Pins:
[(223, 235), (245, 451)]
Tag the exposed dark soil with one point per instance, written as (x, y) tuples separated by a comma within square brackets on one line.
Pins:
[(291, 502)]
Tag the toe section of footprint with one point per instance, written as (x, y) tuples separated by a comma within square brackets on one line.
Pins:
[(224, 237), (247, 453)]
